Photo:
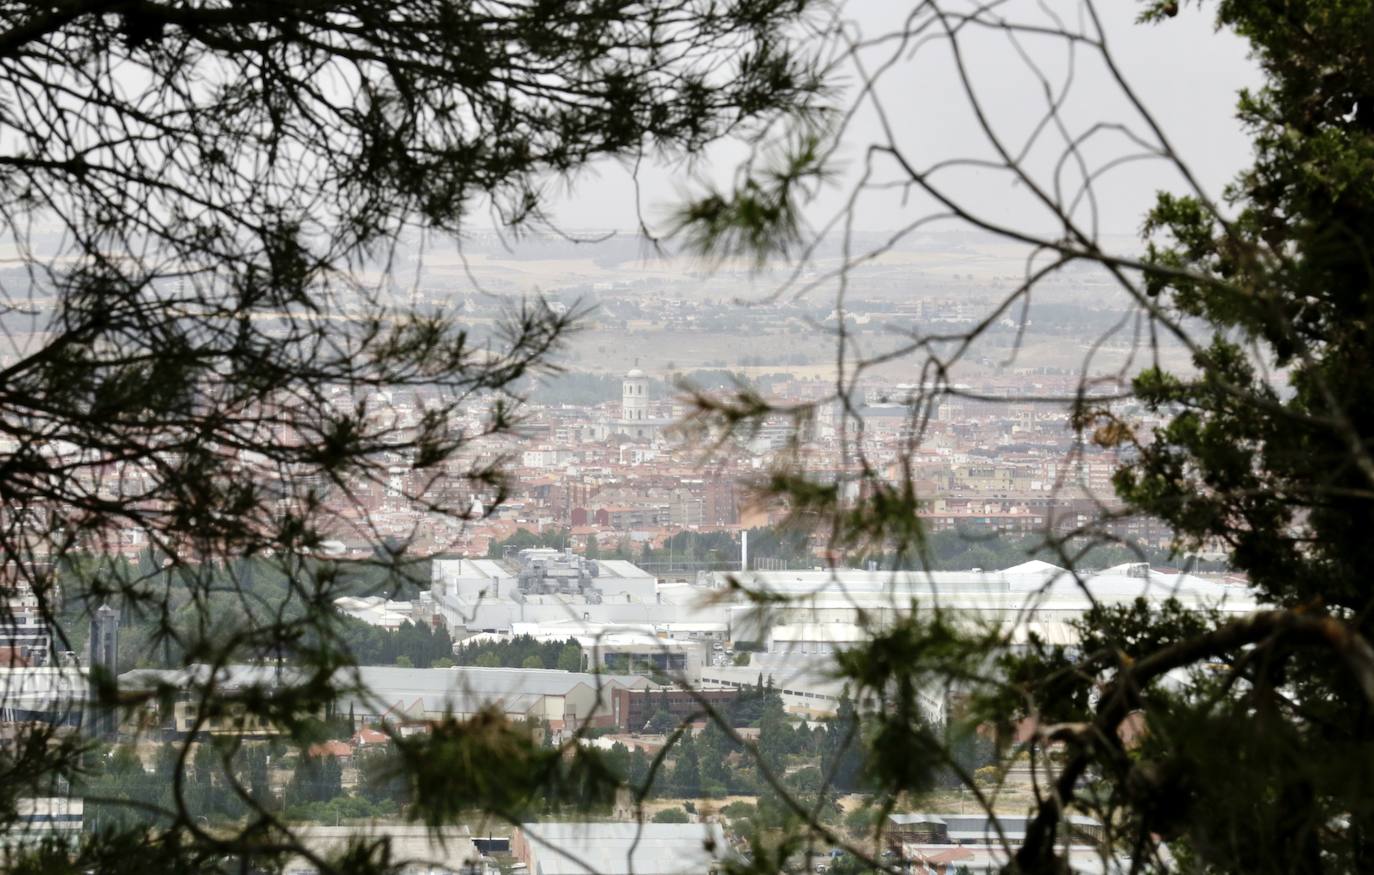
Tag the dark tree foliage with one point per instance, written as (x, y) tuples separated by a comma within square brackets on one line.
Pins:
[(523, 538), (1279, 470), (842, 748), (316, 779), (381, 777), (675, 814), (206, 204), (1202, 742), (989, 549), (421, 644), (522, 649), (119, 783), (661, 722)]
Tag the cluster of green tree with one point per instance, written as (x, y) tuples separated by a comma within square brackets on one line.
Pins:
[(739, 817), (753, 702), (315, 779), (341, 808), (790, 547), (259, 587), (522, 651), (769, 817), (315, 792), (989, 550), (118, 788), (115, 781), (523, 538), (825, 759), (707, 765), (784, 359), (415, 645), (947, 550), (696, 549), (674, 814), (745, 709), (592, 547), (535, 778)]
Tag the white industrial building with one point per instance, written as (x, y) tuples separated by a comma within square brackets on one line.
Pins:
[(619, 848), (396, 695), (415, 849), (564, 699), (54, 694), (982, 844), (810, 615), (807, 686), (822, 610), (42, 819), (633, 624), (489, 595), (386, 613)]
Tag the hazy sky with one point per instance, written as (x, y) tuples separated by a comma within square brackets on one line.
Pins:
[(1186, 73)]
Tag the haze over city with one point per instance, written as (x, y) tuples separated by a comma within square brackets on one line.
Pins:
[(766, 436)]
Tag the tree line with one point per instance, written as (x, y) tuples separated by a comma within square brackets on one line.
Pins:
[(790, 547), (522, 651), (413, 645)]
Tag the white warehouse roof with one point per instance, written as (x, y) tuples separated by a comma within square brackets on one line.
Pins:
[(623, 848)]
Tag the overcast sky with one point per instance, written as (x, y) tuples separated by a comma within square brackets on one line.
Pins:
[(1184, 71)]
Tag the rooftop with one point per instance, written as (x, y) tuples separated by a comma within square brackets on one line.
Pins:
[(613, 848), (1048, 586)]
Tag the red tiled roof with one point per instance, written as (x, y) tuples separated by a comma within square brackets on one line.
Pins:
[(331, 748), (369, 736)]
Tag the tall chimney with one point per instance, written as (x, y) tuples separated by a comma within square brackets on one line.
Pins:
[(744, 550)]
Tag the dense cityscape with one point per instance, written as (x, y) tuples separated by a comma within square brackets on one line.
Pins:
[(600, 600), (686, 437)]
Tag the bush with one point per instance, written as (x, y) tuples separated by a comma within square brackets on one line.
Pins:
[(672, 815), (353, 807), (739, 808), (987, 776), (661, 723), (861, 821), (340, 808), (807, 780)]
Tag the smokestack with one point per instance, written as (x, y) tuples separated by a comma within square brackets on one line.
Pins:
[(744, 550)]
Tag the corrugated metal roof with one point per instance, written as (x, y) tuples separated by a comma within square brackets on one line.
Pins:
[(624, 848), (426, 681)]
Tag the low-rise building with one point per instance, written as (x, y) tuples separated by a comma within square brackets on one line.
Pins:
[(563, 698), (619, 848), (415, 849), (982, 844), (633, 708), (44, 818)]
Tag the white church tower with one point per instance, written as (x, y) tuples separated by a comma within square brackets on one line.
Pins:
[(634, 397)]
